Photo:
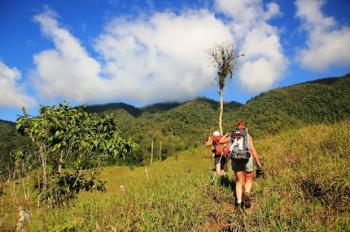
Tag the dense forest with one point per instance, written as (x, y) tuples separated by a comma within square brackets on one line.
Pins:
[(173, 127), (179, 126), (9, 141), (325, 100)]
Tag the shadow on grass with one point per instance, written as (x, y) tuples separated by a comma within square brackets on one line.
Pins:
[(225, 181)]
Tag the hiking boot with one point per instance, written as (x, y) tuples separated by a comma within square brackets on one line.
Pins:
[(246, 200), (238, 205)]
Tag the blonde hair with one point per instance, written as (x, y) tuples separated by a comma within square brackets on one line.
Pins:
[(241, 124)]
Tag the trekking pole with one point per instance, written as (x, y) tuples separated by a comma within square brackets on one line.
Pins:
[(219, 162)]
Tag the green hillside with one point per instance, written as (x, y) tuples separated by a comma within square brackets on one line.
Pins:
[(179, 126), (9, 140), (324, 100), (174, 126), (306, 189), (306, 156), (112, 107)]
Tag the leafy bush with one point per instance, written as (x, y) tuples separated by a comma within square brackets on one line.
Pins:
[(62, 188), (72, 138), (10, 142)]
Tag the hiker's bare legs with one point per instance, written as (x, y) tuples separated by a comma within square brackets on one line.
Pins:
[(218, 168), (222, 171), (239, 185), (248, 176), (225, 167)]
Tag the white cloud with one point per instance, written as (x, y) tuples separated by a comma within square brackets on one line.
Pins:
[(162, 57), (67, 70), (264, 62), (11, 93), (327, 43), (273, 10)]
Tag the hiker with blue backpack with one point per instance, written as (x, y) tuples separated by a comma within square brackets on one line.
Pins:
[(242, 153)]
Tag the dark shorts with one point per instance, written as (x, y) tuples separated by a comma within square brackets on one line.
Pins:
[(243, 165), (222, 161)]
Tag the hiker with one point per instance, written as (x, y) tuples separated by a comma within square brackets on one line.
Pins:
[(242, 153), (220, 152)]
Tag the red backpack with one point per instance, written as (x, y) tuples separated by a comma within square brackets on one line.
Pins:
[(220, 148)]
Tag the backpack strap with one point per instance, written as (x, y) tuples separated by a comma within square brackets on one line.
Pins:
[(246, 142), (232, 144)]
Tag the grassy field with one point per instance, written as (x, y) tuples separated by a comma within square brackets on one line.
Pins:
[(307, 188)]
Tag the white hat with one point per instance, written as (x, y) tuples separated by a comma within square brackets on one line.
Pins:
[(216, 133)]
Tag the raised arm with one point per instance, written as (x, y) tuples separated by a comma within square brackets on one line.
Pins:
[(209, 142), (253, 151), (225, 139)]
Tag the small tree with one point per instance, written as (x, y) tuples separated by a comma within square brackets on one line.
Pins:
[(222, 57), (154, 134), (70, 140)]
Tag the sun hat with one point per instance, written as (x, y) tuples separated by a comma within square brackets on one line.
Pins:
[(216, 133)]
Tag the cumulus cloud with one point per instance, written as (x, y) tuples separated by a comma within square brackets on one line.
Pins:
[(162, 57), (67, 70), (264, 62), (273, 10), (12, 93), (327, 42)]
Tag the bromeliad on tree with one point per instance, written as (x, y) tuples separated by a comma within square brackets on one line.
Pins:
[(222, 57)]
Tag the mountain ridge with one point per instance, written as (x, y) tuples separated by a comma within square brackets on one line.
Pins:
[(179, 126), (165, 106), (159, 107)]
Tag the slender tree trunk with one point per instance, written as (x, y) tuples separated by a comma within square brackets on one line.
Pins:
[(221, 109), (25, 182), (13, 184), (160, 150), (60, 163), (152, 150), (43, 164)]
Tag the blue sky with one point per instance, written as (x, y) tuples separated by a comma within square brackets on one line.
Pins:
[(143, 52)]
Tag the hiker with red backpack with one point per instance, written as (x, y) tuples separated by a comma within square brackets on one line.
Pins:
[(242, 154), (220, 153)]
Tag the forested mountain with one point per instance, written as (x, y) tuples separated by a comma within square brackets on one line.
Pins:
[(171, 126), (178, 126), (182, 125), (112, 107), (9, 140), (324, 100)]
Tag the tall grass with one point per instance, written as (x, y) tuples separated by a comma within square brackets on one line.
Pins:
[(307, 188)]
